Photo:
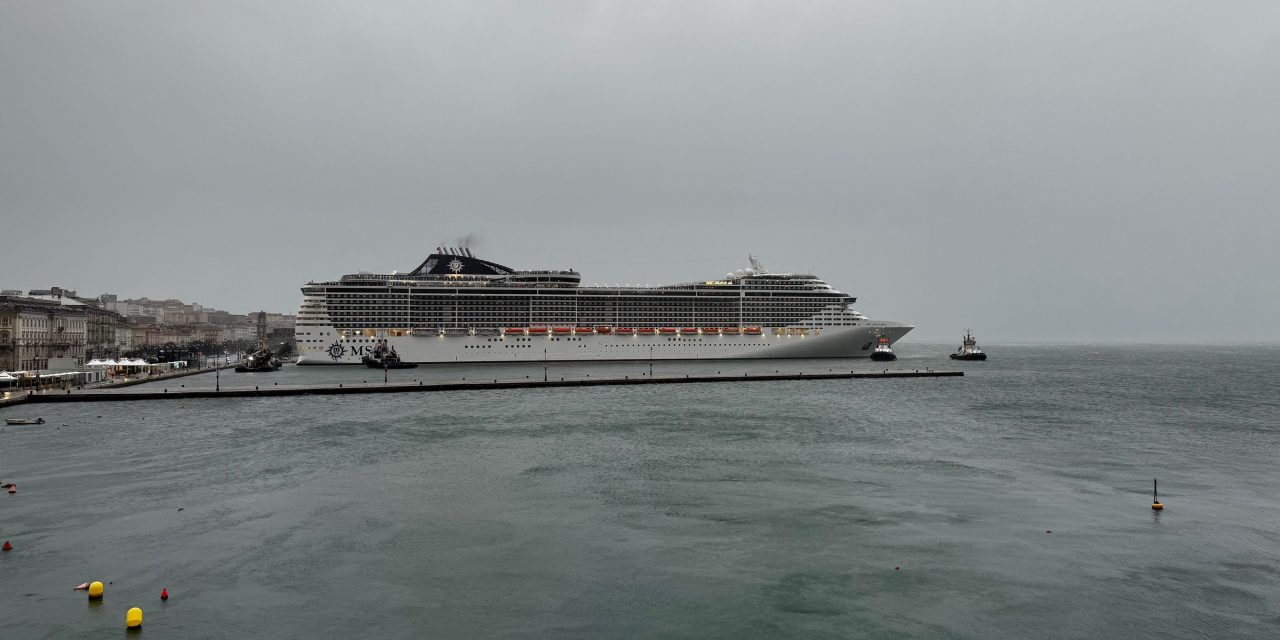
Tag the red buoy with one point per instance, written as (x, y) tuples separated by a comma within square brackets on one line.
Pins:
[(164, 594), (7, 546)]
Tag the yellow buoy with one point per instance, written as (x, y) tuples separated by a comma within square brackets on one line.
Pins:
[(133, 619), (1155, 497), (95, 591)]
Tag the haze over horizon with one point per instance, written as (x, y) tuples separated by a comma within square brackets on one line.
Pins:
[(1037, 171)]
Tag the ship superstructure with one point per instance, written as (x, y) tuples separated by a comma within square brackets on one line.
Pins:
[(455, 307)]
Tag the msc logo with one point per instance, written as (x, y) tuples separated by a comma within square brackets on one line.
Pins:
[(336, 351)]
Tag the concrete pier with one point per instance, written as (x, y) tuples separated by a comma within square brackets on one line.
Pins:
[(356, 389)]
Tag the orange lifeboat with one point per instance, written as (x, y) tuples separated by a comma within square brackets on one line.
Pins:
[(561, 331), (689, 330), (537, 331), (648, 330), (752, 331), (710, 330), (604, 330), (624, 331), (584, 331), (514, 331), (666, 330), (731, 331)]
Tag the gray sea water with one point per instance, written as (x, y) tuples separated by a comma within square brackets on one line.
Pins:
[(806, 509)]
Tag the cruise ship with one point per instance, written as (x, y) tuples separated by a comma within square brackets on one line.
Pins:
[(455, 307)]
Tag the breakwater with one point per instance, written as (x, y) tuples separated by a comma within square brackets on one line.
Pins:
[(466, 385)]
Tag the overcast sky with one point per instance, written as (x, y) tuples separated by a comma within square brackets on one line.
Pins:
[(1063, 171)]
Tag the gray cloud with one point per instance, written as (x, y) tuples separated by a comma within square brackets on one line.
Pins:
[(1036, 170)]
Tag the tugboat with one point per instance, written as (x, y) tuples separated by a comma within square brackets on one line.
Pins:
[(260, 361), (969, 349), (385, 357), (882, 352)]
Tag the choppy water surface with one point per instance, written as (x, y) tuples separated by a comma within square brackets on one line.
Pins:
[(762, 510)]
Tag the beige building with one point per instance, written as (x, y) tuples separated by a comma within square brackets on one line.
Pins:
[(33, 332), (208, 333), (159, 335), (178, 315), (239, 332), (124, 338), (8, 341), (101, 339)]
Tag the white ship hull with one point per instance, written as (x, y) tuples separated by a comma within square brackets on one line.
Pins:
[(329, 348)]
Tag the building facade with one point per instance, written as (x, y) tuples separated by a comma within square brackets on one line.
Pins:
[(8, 342), (38, 331), (102, 333)]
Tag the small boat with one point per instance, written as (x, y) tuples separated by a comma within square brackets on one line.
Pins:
[(883, 353), (752, 331), (710, 330), (731, 331), (667, 330), (624, 331), (648, 330), (584, 331), (513, 331), (561, 331), (537, 331), (385, 357), (24, 420), (969, 349), (689, 330), (604, 330)]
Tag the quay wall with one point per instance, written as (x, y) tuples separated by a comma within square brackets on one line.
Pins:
[(346, 389)]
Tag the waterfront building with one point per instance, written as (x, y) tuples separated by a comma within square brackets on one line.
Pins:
[(124, 338), (101, 335), (207, 333), (238, 332), (8, 341), (154, 335), (41, 333)]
